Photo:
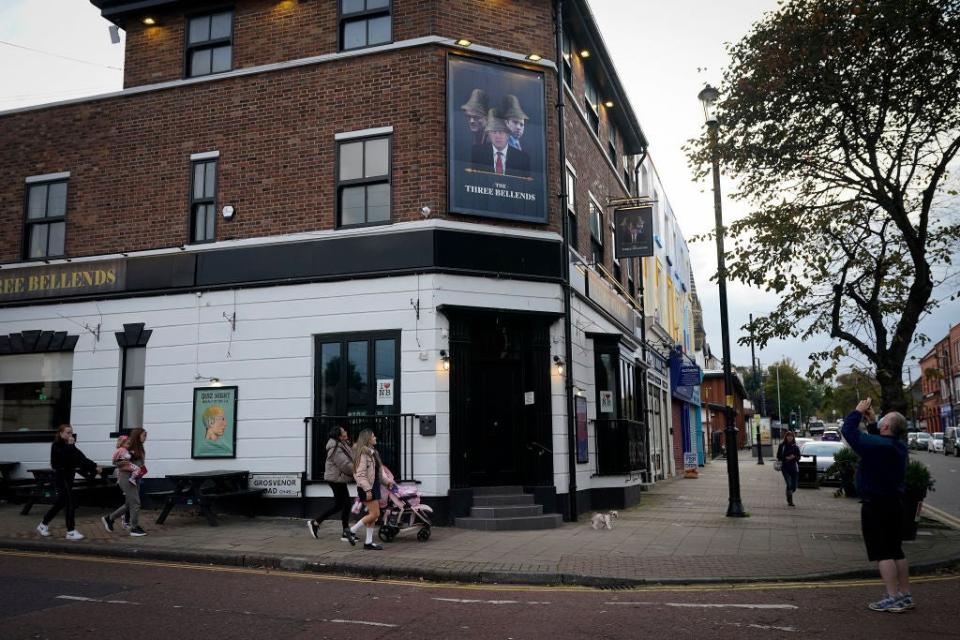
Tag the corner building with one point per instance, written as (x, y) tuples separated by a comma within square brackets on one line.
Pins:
[(286, 213)]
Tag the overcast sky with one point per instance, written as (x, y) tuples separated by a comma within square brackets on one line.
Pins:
[(56, 49)]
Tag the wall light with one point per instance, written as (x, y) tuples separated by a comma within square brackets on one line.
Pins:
[(463, 42), (584, 53), (558, 361), (535, 57), (215, 382), (149, 21), (445, 359), (608, 104)]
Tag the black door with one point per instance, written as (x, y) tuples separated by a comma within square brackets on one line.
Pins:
[(495, 431)]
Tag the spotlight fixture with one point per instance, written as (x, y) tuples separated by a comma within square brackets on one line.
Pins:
[(463, 42), (149, 21), (445, 359), (535, 57), (608, 104), (215, 382), (584, 53), (558, 361)]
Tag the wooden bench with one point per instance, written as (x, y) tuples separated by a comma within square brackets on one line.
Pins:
[(205, 489), (96, 489)]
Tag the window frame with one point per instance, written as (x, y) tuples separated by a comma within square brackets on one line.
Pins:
[(366, 15), (339, 185), (121, 430), (566, 51), (30, 223), (208, 44), (592, 110), (611, 142), (596, 244), (194, 202), (344, 339), (571, 178)]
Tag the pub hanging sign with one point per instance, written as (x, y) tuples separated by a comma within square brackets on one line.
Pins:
[(53, 281)]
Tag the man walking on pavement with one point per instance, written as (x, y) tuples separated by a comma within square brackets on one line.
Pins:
[(880, 483)]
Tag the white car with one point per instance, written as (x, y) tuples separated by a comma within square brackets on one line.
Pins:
[(935, 443)]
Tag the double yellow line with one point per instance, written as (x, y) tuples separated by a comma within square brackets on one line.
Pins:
[(692, 588)]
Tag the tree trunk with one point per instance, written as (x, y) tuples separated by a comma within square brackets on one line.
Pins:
[(892, 396)]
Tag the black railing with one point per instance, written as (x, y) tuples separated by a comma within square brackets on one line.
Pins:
[(394, 440), (620, 447)]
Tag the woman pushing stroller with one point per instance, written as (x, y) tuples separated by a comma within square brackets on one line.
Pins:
[(369, 475)]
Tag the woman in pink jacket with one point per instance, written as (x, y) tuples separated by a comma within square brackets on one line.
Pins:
[(368, 473)]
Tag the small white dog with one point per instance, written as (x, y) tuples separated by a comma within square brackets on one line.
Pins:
[(604, 520)]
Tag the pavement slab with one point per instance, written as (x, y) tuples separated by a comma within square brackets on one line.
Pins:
[(678, 534)]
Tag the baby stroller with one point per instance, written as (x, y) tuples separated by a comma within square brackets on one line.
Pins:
[(401, 511)]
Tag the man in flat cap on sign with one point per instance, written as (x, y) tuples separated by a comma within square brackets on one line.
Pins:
[(497, 156), (515, 118), (475, 111)]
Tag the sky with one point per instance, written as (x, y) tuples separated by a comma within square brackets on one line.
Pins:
[(664, 53)]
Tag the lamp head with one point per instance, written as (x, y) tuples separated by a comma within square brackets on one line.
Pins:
[(708, 97)]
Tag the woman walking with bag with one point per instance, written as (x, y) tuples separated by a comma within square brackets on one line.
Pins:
[(788, 455), (338, 471), (131, 489), (65, 459), (368, 472)]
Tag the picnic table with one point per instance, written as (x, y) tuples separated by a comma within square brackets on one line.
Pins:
[(44, 488), (6, 483), (205, 488)]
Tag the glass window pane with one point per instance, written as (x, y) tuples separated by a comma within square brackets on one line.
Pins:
[(199, 225), (34, 406), (210, 179), (57, 199), (209, 217), (385, 357), (357, 377), (329, 377), (38, 240), (377, 4), (351, 206), (55, 239), (132, 408), (221, 59), (221, 25), (199, 29), (379, 30), (376, 158), (198, 180), (378, 202), (351, 6), (37, 205), (355, 34), (136, 362), (351, 161), (200, 63)]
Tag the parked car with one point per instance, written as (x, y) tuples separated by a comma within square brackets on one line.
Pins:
[(935, 443), (803, 441), (824, 452), (921, 442), (951, 441), (911, 440), (830, 435)]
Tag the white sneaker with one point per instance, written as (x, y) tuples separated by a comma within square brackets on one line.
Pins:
[(43, 530), (75, 535)]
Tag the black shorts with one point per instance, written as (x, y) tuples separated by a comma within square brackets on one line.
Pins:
[(881, 522), (363, 494)]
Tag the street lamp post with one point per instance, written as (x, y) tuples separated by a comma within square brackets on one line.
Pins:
[(753, 362), (708, 98)]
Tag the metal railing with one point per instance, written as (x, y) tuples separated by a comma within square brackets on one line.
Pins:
[(394, 441), (621, 447)]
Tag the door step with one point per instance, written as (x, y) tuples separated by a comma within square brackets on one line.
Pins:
[(506, 509)]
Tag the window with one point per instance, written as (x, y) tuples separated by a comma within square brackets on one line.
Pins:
[(628, 268), (350, 370), (133, 364), (210, 44), (363, 182), (46, 224), (35, 391), (571, 209), (203, 201), (612, 142), (364, 23), (592, 104), (567, 59), (596, 234)]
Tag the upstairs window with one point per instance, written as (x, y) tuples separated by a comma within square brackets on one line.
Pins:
[(592, 104), (364, 23), (612, 142), (363, 182), (203, 201), (46, 219), (210, 44), (572, 209), (596, 234), (567, 59)]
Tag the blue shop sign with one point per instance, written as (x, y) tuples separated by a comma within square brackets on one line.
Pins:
[(685, 376)]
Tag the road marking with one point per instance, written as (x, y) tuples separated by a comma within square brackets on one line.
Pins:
[(366, 622), (765, 627), (83, 599), (422, 584), (469, 601), (941, 515), (696, 605)]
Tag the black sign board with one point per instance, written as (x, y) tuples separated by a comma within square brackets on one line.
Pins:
[(496, 140), (634, 232)]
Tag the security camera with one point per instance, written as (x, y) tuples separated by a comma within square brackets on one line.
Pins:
[(425, 211)]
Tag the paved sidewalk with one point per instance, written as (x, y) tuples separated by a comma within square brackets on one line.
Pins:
[(678, 534)]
